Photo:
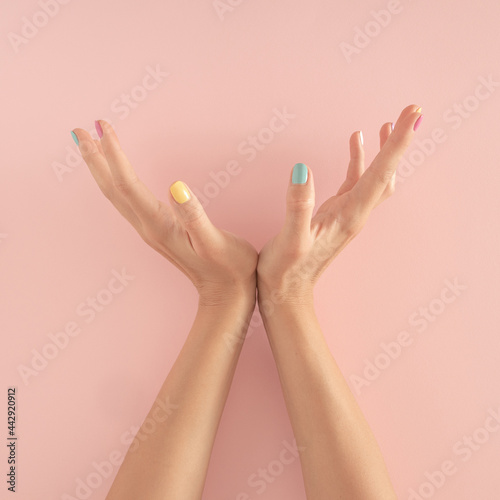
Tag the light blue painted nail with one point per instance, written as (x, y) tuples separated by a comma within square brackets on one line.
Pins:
[(299, 174), (75, 138)]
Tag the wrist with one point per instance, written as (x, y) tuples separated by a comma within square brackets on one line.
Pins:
[(227, 317), (277, 301), (286, 291), (235, 296), (286, 318)]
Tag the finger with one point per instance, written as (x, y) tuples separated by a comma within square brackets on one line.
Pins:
[(375, 179), (98, 166), (97, 142), (384, 133), (299, 203), (192, 216), (125, 180), (388, 191), (356, 163), (94, 159)]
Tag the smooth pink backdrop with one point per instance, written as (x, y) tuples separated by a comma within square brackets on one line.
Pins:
[(60, 239)]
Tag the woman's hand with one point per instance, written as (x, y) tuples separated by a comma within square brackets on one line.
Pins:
[(220, 264), (290, 264)]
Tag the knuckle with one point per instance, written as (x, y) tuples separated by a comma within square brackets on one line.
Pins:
[(88, 149), (357, 156), (108, 191), (353, 229), (300, 205), (193, 216), (350, 229), (383, 176), (125, 186), (150, 236), (295, 252), (350, 225)]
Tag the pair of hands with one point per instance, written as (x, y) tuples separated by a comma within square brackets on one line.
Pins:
[(224, 267)]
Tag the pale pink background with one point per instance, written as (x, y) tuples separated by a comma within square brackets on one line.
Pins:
[(62, 239)]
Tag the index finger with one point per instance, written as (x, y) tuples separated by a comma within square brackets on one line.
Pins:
[(142, 201), (377, 176)]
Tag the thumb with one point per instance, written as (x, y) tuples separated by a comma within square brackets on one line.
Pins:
[(192, 216), (299, 202)]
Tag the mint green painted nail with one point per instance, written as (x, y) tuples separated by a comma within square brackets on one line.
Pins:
[(299, 174), (75, 138)]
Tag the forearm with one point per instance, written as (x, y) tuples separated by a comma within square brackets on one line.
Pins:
[(172, 461), (341, 458)]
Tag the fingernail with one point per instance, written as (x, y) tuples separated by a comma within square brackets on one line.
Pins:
[(98, 128), (180, 192), (417, 123), (361, 136), (75, 138), (392, 125), (299, 174)]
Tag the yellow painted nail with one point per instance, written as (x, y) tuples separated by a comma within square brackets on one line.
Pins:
[(180, 192), (419, 110)]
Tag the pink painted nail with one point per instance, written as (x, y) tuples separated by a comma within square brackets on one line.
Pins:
[(98, 128), (417, 123)]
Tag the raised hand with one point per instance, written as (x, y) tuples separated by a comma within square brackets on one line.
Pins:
[(290, 264), (218, 263)]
